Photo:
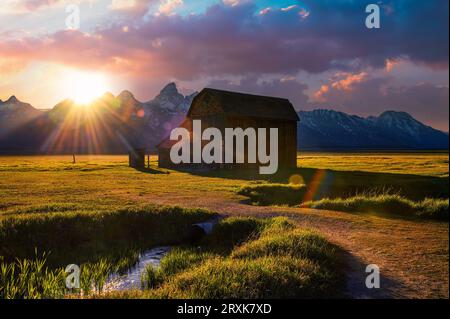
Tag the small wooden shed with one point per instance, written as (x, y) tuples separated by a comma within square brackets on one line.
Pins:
[(136, 158)]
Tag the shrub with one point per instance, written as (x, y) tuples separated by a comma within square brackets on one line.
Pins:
[(387, 204), (302, 244)]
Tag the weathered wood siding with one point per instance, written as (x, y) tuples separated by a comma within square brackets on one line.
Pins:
[(287, 141)]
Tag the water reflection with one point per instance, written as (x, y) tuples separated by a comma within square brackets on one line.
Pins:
[(132, 279)]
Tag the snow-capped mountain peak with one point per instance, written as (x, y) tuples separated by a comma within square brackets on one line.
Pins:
[(321, 129), (171, 100)]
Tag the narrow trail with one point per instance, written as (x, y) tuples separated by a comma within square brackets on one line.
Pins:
[(412, 255)]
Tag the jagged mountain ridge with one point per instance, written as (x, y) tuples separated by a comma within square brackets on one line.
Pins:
[(328, 129), (108, 125), (14, 113), (112, 124)]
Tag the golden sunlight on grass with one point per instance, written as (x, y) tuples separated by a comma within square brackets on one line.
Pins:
[(51, 192)]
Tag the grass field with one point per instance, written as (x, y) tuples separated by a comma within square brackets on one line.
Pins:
[(53, 183), (423, 163), (43, 196)]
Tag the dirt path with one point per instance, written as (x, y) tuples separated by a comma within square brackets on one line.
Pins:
[(412, 255)]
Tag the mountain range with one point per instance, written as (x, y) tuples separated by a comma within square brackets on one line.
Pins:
[(111, 124), (328, 129)]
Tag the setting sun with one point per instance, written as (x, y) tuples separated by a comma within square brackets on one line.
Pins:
[(85, 87)]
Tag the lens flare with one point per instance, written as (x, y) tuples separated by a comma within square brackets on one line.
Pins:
[(296, 179), (314, 185)]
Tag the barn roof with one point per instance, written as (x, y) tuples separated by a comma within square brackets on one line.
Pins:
[(212, 101)]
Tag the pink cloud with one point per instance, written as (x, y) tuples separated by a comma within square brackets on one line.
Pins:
[(225, 40), (365, 95), (11, 66), (319, 95), (265, 11), (346, 81), (289, 8), (131, 7), (168, 6)]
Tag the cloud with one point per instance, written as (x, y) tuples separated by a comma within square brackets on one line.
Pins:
[(289, 8), (320, 94), (232, 40), (265, 11), (126, 5), (303, 13), (285, 87), (368, 96), (391, 64), (27, 6), (23, 6), (36, 4), (132, 9), (358, 94), (11, 66), (168, 6), (231, 2), (345, 81)]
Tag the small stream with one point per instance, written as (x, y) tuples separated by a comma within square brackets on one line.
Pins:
[(132, 279)]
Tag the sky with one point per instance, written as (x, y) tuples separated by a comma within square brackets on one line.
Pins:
[(317, 53)]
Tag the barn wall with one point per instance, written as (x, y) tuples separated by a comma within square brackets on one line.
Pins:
[(287, 141), (287, 137), (164, 158)]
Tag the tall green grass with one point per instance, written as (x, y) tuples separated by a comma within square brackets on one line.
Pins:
[(176, 261), (241, 258), (30, 279), (270, 258), (100, 242), (33, 279), (387, 204), (88, 236), (381, 201)]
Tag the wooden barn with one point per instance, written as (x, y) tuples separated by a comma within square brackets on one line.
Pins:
[(223, 109)]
